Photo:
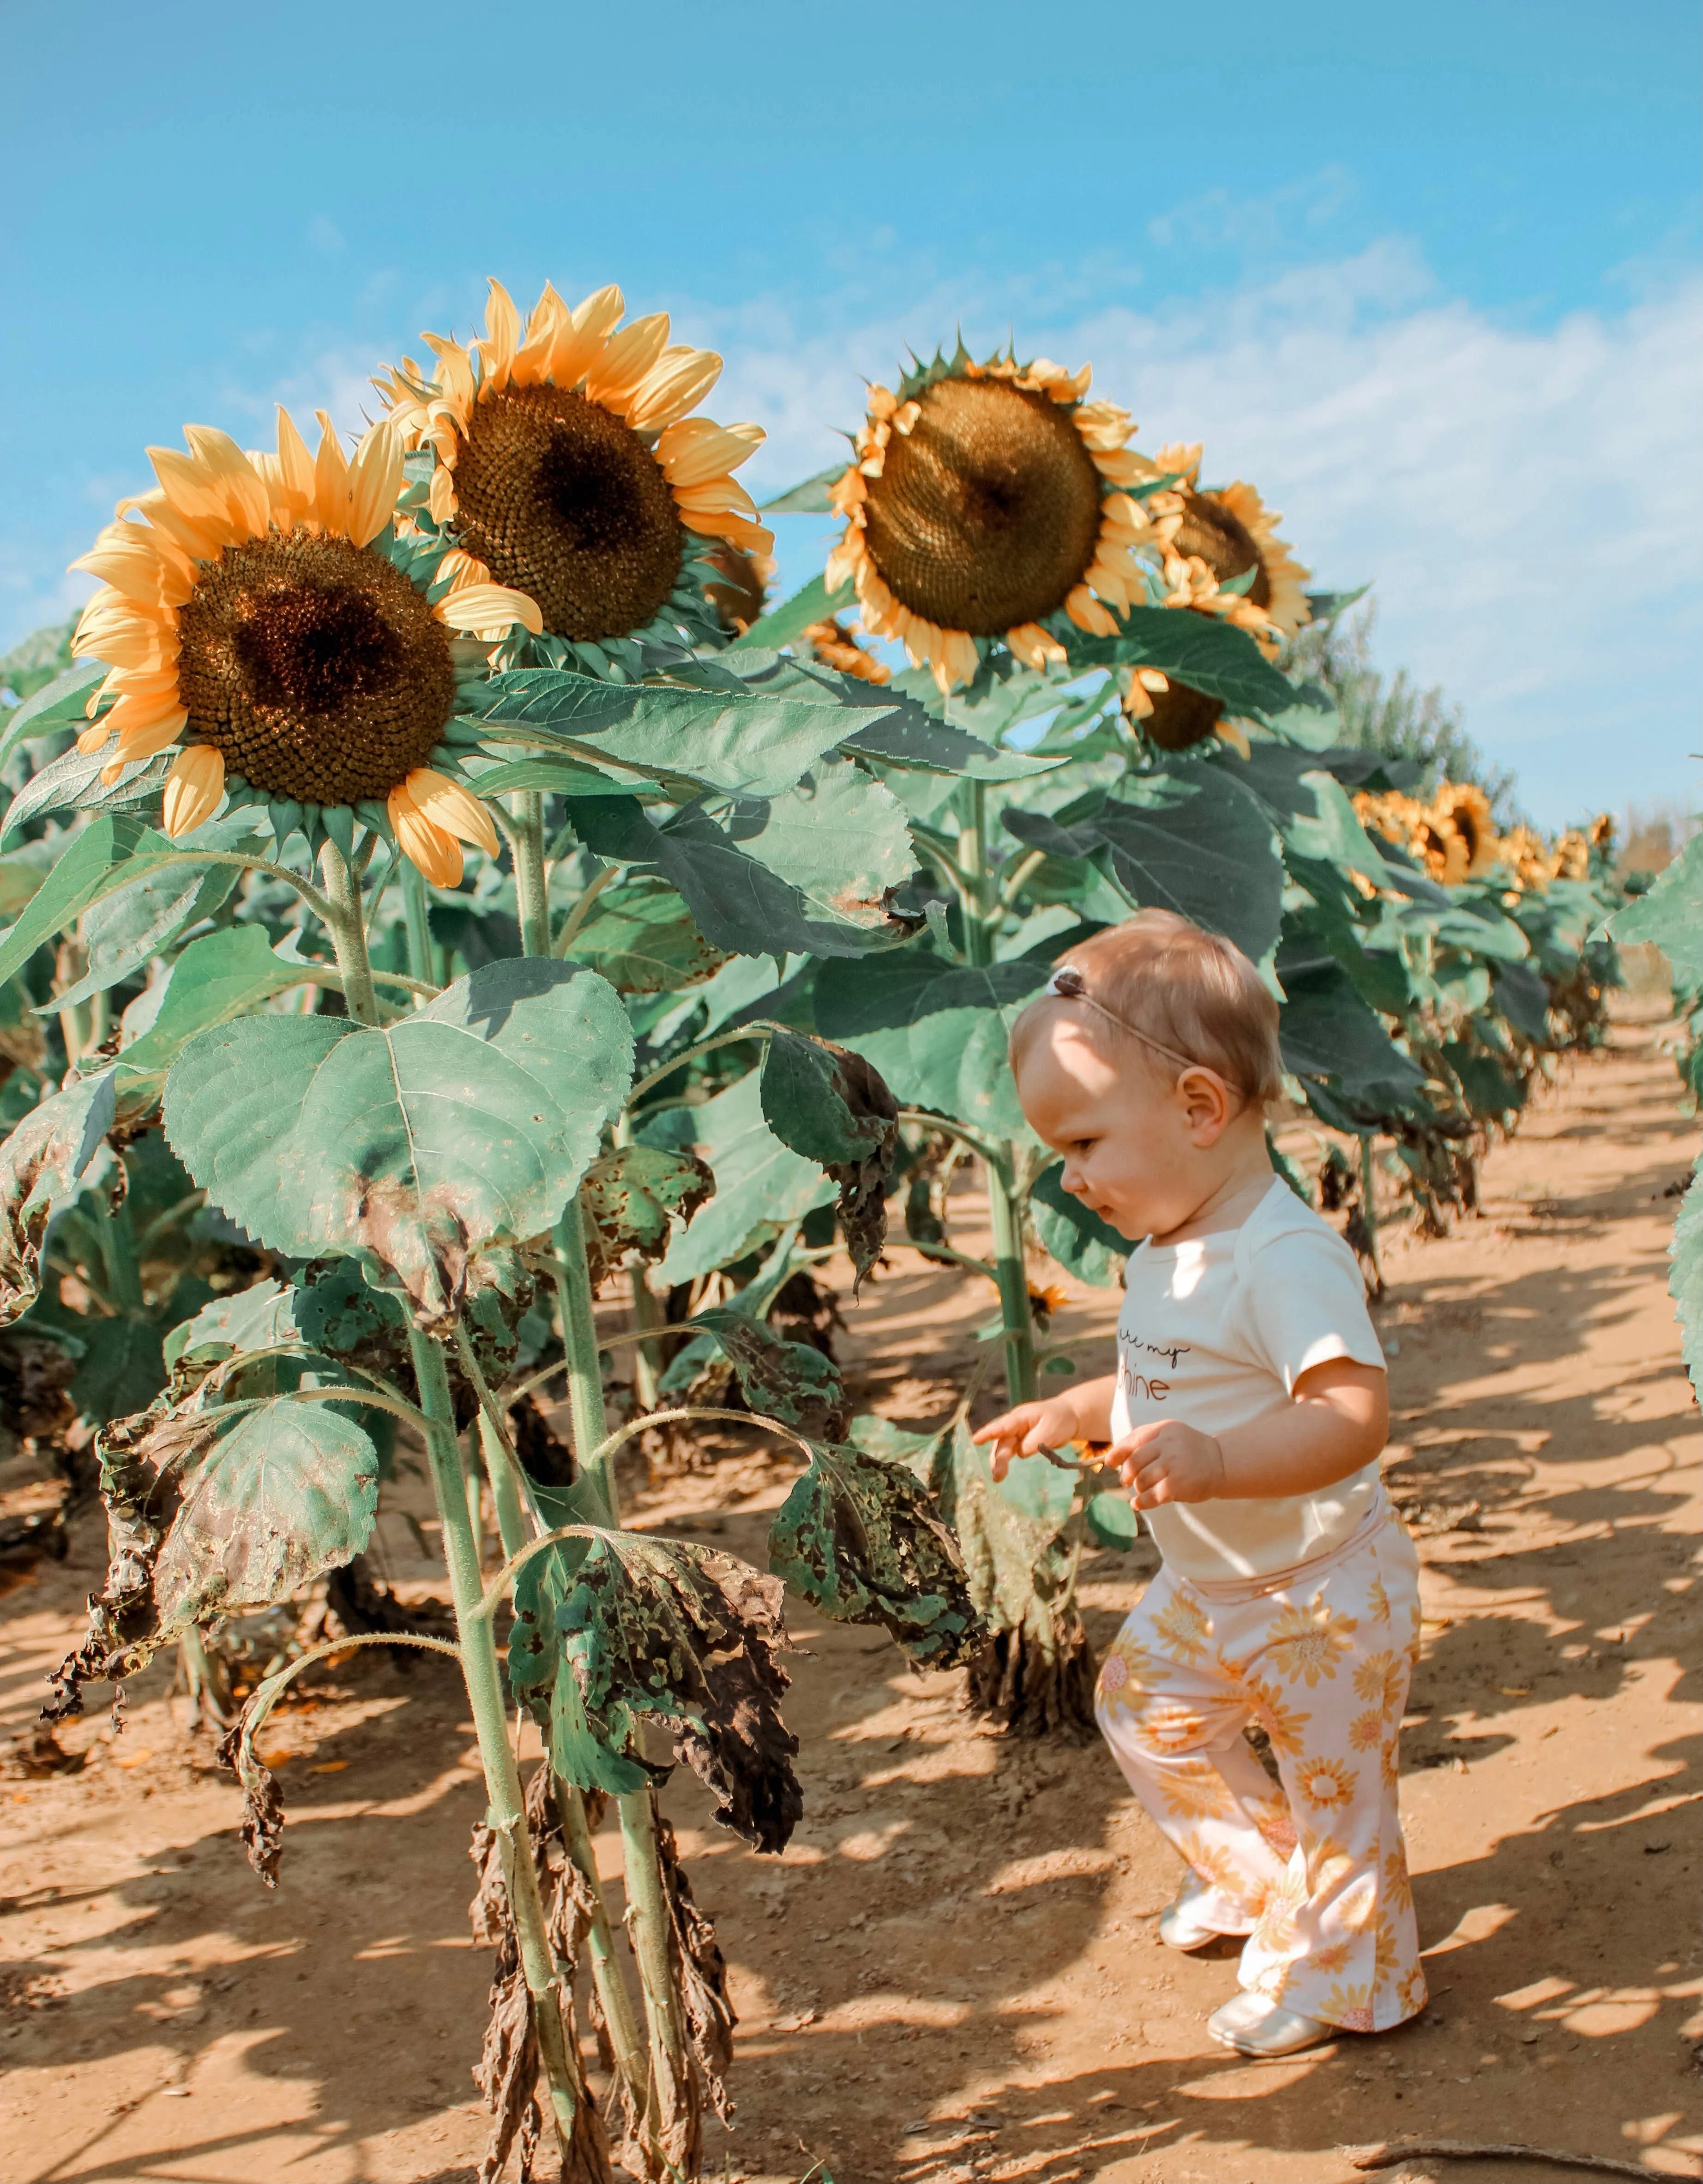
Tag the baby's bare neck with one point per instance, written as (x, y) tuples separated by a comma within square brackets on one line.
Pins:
[(1242, 1179)]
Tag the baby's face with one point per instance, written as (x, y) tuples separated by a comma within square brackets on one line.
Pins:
[(1130, 1145)]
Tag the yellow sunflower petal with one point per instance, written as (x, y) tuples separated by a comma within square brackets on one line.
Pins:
[(193, 788), (375, 481), (131, 561), (455, 374), (580, 342), (144, 743), (549, 320), (446, 804), (435, 853), (135, 711), (330, 479), (489, 610), (626, 359), (441, 499), (295, 466), (696, 450), (197, 542), (755, 537), (502, 336), (676, 383), (242, 492), (93, 739)]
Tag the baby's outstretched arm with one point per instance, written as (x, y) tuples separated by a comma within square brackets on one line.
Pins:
[(1083, 1413), (1336, 1422)]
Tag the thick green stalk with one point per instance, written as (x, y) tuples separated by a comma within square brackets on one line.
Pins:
[(585, 1390), (506, 1809), (348, 934), (416, 903), (647, 1925), (982, 915), (527, 838), (624, 2036), (505, 1491)]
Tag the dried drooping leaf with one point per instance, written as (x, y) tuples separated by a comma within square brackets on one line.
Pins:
[(792, 1381), (139, 1488), (861, 1539), (1036, 1673), (689, 1637), (629, 1199), (508, 2070), (206, 1514), (41, 1164), (263, 1809), (832, 1106), (701, 1972)]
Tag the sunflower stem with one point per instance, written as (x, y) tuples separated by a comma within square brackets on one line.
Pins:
[(348, 929), (483, 1673), (588, 1421), (416, 904), (532, 893), (982, 918), (648, 1928)]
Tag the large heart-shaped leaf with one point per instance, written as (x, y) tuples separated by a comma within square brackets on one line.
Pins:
[(761, 1185), (1211, 657), (937, 1031), (837, 836), (414, 1147)]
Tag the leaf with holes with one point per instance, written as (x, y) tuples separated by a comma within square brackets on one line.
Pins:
[(791, 1381), (832, 1106), (690, 1638), (632, 1197), (761, 1185), (417, 1148), (42, 1165), (862, 1542)]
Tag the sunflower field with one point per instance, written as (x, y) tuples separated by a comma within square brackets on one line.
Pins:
[(445, 888)]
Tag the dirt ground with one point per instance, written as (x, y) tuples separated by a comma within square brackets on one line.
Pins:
[(953, 1971)]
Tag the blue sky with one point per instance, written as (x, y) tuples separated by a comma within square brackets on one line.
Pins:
[(1428, 277)]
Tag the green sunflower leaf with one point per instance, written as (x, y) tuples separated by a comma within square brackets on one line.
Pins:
[(123, 929), (1670, 916), (631, 1197), (641, 937), (840, 838), (72, 782), (761, 1185), (808, 497), (742, 908), (788, 621), (414, 1148), (1082, 1244), (219, 977), (791, 1381), (61, 704), (1211, 657), (106, 855), (937, 1031)]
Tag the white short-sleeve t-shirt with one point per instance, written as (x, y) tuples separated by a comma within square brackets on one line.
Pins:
[(1216, 1332)]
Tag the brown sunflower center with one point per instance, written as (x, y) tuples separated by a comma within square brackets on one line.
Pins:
[(986, 513), (567, 504), (314, 667), (1182, 717), (1224, 542)]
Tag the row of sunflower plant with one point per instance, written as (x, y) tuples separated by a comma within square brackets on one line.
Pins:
[(730, 967)]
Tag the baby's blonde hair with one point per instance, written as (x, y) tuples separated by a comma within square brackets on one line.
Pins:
[(1187, 997)]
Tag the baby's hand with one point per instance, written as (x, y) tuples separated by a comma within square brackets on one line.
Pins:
[(1029, 1428), (1169, 1462)]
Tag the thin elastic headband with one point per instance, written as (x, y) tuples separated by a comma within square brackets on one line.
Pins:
[(1066, 984)]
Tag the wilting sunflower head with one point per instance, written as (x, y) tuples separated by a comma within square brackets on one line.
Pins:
[(739, 587), (254, 617), (983, 501), (1212, 541), (565, 464)]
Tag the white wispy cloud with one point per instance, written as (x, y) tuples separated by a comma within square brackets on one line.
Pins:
[(1524, 501)]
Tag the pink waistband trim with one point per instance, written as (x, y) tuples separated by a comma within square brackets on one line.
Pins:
[(1232, 1590)]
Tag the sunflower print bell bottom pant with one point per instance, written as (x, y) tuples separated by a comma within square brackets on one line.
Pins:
[(1316, 1875)]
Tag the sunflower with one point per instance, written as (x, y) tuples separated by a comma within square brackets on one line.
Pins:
[(1211, 540), (982, 501), (836, 647), (1462, 808), (1208, 541), (1420, 829), (258, 617), (563, 462)]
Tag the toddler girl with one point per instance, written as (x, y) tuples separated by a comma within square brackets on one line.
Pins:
[(1248, 1412)]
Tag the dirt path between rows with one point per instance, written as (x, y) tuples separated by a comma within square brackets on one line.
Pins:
[(953, 1970)]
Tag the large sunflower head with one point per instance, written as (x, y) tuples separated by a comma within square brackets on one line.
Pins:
[(1220, 553), (563, 462), (262, 616), (983, 501)]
